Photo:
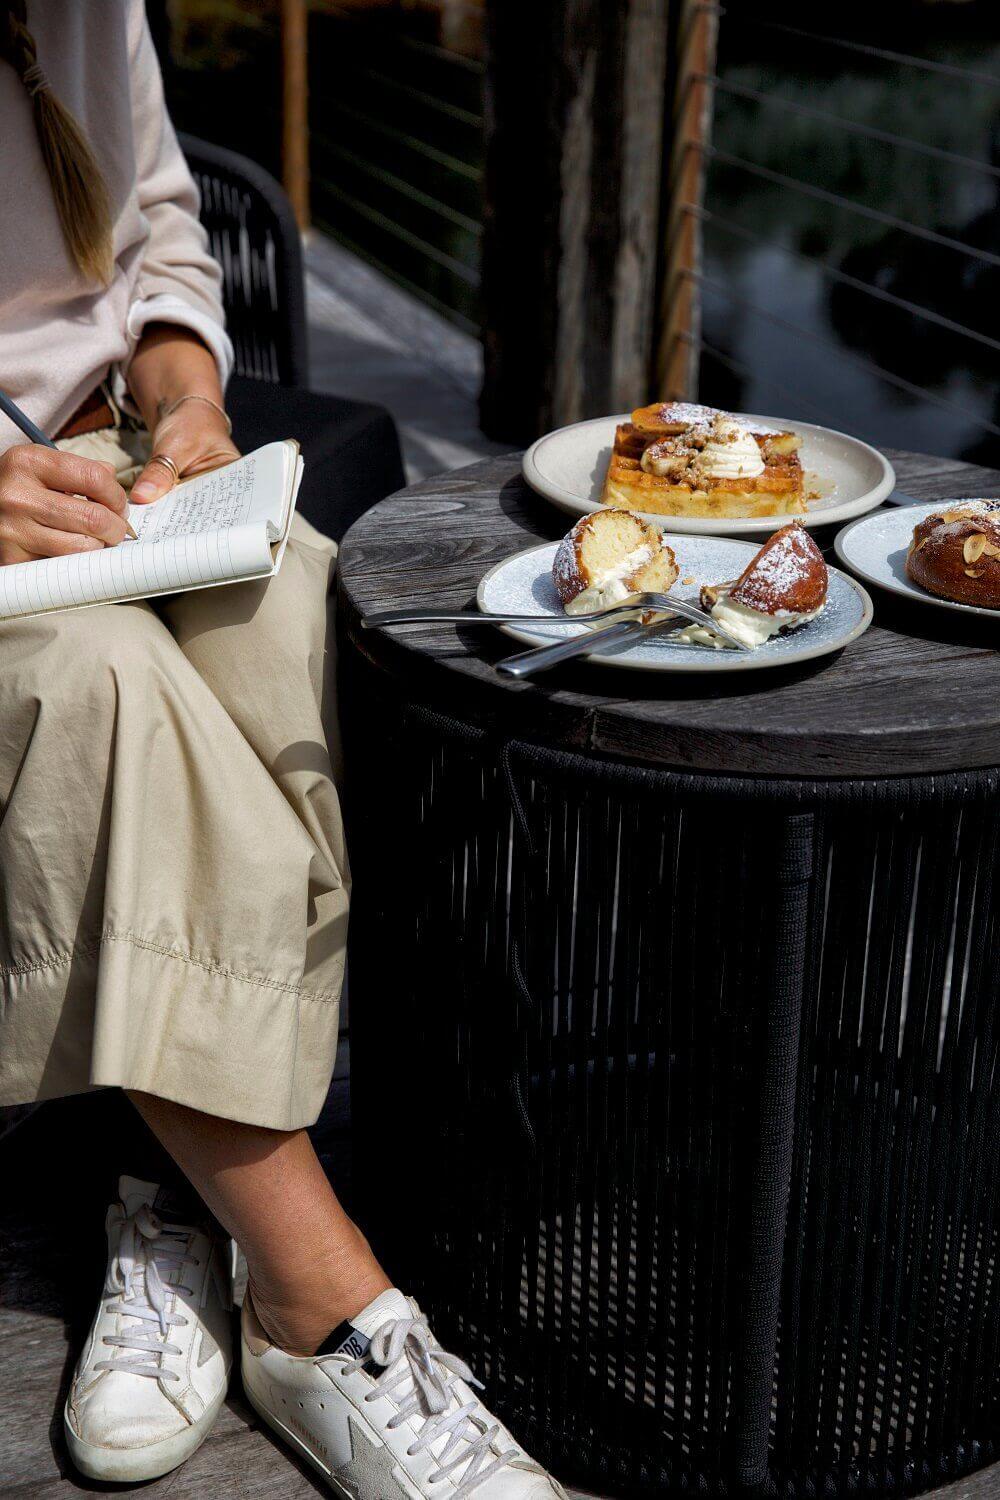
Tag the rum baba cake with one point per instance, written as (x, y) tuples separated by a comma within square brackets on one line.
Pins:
[(607, 556), (783, 587), (955, 553), (677, 458)]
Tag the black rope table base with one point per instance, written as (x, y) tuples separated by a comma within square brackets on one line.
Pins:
[(675, 1100)]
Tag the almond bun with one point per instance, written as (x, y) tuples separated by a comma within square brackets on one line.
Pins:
[(955, 553)]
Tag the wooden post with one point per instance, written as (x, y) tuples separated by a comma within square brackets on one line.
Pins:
[(295, 106), (574, 127), (680, 320)]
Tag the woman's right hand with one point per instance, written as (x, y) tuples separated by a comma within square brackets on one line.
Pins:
[(53, 503)]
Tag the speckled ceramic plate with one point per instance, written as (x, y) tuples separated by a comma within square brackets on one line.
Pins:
[(522, 584), (568, 468), (875, 548)]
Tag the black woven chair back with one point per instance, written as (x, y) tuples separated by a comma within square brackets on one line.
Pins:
[(255, 239)]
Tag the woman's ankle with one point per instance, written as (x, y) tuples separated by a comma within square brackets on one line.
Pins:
[(298, 1312)]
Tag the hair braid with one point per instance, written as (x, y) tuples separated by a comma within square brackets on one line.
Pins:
[(78, 186)]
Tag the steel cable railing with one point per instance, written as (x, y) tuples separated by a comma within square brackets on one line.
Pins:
[(397, 167), (825, 195), (407, 189), (405, 236), (863, 49), (850, 127), (415, 45), (740, 367), (868, 365), (843, 278), (703, 75)]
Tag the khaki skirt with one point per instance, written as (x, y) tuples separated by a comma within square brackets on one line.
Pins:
[(173, 878)]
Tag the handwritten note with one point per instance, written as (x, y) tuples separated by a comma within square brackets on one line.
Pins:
[(215, 502)]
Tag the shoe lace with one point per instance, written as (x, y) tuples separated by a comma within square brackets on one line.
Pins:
[(149, 1253), (418, 1376)]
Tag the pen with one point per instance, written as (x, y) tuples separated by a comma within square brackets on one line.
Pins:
[(30, 430)]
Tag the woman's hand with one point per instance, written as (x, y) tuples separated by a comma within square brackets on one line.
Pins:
[(169, 364), (54, 503), (196, 437)]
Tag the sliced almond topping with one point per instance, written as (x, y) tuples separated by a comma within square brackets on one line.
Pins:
[(974, 572), (974, 545)]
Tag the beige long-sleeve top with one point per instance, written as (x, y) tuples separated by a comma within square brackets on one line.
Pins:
[(60, 335)]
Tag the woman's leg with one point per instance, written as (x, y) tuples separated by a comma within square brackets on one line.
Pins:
[(310, 1267)]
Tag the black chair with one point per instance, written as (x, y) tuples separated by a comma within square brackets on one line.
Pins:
[(351, 448)]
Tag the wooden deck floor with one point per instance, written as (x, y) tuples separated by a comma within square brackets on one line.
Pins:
[(370, 340)]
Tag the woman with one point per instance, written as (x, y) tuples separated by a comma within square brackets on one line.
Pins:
[(174, 882)]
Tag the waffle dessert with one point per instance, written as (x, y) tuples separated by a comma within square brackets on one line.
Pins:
[(675, 458), (607, 556), (955, 553), (783, 587)]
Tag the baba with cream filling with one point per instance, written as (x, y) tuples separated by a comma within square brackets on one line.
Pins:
[(783, 587), (607, 556), (678, 458)]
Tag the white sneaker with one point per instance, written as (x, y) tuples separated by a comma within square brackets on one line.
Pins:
[(153, 1374), (382, 1411)]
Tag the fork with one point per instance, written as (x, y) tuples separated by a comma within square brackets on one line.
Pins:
[(631, 605), (526, 663)]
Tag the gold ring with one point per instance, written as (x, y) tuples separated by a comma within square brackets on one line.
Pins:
[(168, 463)]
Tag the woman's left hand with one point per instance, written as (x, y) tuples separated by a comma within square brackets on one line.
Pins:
[(196, 437)]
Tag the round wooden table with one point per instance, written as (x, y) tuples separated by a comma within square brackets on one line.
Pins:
[(674, 1033)]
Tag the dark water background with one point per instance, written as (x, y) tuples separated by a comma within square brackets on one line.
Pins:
[(822, 373)]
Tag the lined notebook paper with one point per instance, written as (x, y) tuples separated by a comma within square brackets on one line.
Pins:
[(222, 527)]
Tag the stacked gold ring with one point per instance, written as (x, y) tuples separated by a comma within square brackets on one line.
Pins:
[(168, 463)]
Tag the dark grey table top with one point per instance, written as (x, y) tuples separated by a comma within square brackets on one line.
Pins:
[(920, 691)]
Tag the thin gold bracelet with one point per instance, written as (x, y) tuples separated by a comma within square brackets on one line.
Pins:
[(168, 411)]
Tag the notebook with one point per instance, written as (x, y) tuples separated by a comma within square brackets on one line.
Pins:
[(222, 527)]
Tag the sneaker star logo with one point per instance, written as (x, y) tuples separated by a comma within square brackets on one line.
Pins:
[(370, 1475)]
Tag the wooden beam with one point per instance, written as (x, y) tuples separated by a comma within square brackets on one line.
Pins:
[(295, 106), (676, 374), (574, 131)]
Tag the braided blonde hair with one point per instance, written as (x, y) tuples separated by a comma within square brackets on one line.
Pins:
[(78, 186)]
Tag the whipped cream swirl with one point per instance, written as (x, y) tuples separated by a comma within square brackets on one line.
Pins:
[(731, 451)]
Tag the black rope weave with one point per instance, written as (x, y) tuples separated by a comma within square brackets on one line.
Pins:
[(691, 1084)]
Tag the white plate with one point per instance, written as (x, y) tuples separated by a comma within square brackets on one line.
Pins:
[(522, 584), (568, 468), (876, 546)]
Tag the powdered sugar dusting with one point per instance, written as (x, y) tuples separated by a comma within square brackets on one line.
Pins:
[(787, 574), (566, 566), (567, 572), (688, 412), (958, 508), (693, 415)]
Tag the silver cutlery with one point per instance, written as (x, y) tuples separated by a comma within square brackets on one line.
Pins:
[(631, 604), (540, 658)]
